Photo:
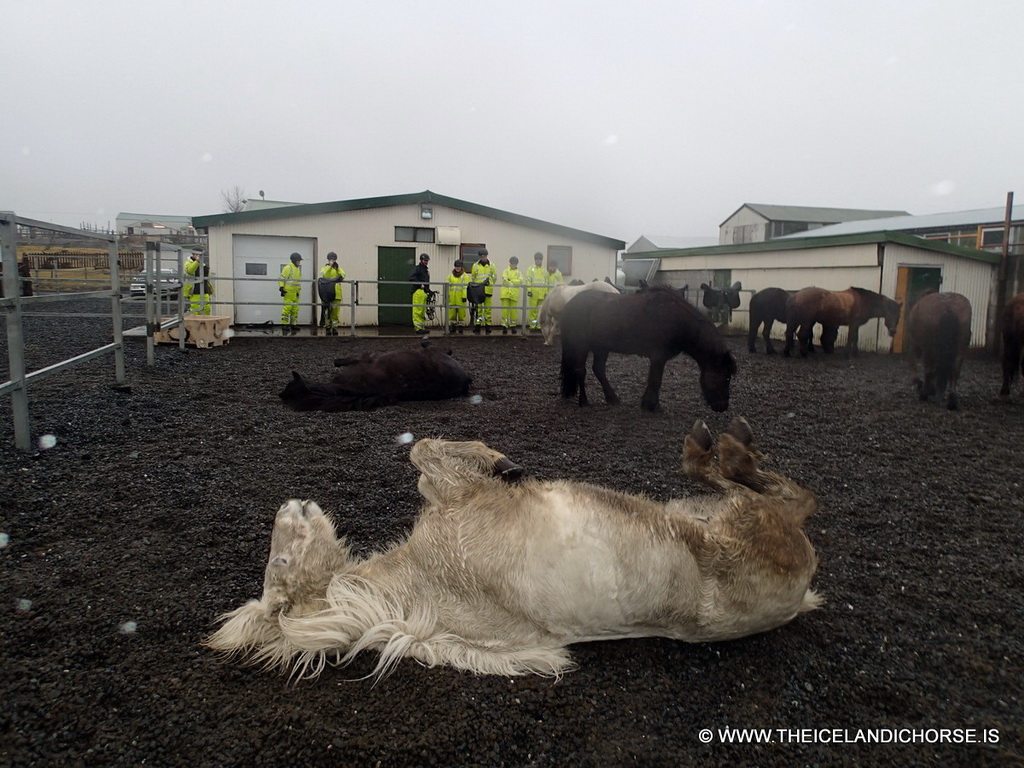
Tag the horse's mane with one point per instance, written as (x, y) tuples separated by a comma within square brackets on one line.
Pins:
[(865, 293), (709, 340)]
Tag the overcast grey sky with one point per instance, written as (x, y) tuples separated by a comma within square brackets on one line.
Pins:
[(619, 118)]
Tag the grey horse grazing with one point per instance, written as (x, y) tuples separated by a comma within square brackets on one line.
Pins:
[(500, 577)]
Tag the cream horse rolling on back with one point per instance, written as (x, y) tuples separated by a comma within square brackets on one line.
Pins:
[(553, 304), (499, 577)]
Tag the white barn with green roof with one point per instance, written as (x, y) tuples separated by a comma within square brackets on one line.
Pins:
[(379, 239), (895, 264)]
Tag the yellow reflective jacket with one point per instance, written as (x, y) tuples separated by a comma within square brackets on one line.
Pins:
[(511, 279), (481, 272), (457, 288), (333, 273), (290, 276)]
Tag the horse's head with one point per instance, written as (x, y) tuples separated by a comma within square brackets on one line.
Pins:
[(892, 315), (716, 374)]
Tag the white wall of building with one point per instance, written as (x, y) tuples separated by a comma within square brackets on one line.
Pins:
[(356, 235)]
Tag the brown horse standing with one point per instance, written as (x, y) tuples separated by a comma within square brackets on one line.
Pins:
[(852, 307), (939, 330), (1013, 341)]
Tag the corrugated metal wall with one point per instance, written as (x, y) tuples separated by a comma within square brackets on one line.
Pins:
[(356, 235), (839, 268)]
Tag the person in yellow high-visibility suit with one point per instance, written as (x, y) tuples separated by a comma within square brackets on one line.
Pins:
[(457, 282), (536, 289), (511, 296), (420, 276), (289, 286), (482, 271), (199, 295), (329, 291)]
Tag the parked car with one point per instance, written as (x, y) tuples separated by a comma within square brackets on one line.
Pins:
[(167, 280)]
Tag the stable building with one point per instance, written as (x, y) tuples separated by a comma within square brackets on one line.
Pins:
[(895, 264), (378, 241), (758, 222)]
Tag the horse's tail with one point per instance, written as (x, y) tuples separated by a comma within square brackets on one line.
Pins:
[(947, 348)]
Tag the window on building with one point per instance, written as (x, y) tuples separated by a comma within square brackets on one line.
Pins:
[(256, 269), (991, 237), (469, 254), (744, 233), (414, 235), (562, 255)]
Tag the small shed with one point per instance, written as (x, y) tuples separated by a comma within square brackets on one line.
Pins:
[(379, 239), (897, 265)]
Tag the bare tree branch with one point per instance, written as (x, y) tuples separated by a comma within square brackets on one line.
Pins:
[(233, 199)]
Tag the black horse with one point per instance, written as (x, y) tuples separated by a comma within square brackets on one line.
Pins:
[(372, 381), (657, 324), (766, 307)]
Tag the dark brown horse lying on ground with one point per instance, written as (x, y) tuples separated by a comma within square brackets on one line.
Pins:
[(766, 307), (1013, 342), (499, 578), (377, 380), (852, 307), (658, 324), (939, 330)]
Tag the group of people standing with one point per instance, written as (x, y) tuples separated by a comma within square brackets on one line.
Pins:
[(470, 293), (328, 289)]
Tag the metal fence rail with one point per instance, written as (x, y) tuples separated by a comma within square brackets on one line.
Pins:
[(12, 304)]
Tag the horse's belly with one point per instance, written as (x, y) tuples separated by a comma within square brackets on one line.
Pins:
[(584, 575)]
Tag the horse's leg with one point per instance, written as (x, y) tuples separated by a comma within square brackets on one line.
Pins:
[(752, 334), (738, 464), (581, 377), (655, 373), (829, 334), (600, 361), (788, 349), (852, 336), (952, 401), (769, 348), (804, 337), (1011, 359)]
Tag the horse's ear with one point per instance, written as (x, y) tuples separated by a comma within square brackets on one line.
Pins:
[(738, 285), (705, 287), (295, 375)]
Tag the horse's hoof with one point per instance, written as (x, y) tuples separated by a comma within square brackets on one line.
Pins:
[(740, 429), (701, 435), (507, 470)]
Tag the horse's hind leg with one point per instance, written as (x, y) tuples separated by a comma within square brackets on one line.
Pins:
[(1011, 359), (737, 459), (600, 362), (752, 336), (740, 462), (769, 348)]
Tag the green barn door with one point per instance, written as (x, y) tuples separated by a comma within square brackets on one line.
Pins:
[(395, 264)]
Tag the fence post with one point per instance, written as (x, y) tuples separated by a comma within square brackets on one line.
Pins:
[(15, 336)]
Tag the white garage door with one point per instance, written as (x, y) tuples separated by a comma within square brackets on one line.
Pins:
[(261, 259)]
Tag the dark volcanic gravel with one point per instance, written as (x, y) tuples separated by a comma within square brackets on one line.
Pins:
[(152, 515)]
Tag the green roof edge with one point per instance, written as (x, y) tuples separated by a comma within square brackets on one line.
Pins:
[(802, 243), (317, 209)]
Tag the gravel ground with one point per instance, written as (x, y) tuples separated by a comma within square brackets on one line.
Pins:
[(151, 515)]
